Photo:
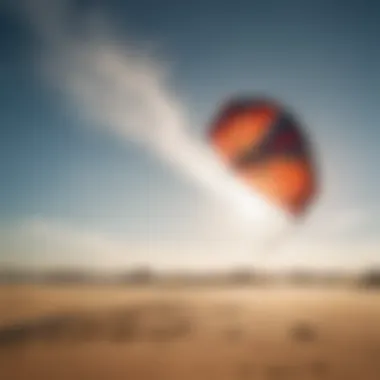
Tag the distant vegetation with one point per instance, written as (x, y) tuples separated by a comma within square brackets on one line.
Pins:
[(144, 275), (141, 275), (371, 279)]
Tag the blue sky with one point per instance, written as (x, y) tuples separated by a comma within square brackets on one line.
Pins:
[(104, 109)]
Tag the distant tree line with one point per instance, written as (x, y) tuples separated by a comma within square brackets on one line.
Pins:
[(145, 275)]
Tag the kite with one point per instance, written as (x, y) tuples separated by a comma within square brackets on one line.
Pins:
[(266, 147)]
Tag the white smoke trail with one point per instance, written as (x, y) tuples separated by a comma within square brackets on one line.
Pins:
[(124, 91)]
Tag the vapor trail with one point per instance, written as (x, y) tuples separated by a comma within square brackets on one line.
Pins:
[(125, 92)]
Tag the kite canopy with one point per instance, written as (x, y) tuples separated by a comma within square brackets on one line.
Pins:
[(265, 146)]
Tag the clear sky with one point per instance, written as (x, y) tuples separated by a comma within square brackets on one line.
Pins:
[(104, 110)]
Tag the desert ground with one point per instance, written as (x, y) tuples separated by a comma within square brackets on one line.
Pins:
[(183, 333)]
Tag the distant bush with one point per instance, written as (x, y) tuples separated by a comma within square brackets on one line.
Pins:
[(141, 275), (15, 276), (63, 277), (371, 279), (241, 277), (302, 278)]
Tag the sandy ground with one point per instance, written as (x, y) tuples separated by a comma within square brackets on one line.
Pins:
[(184, 333)]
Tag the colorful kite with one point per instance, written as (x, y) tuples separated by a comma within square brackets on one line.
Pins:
[(264, 145)]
